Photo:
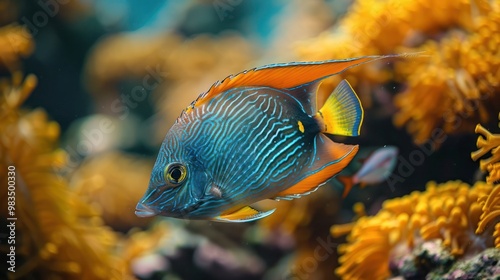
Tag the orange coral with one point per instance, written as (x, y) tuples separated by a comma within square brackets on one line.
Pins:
[(491, 143), (450, 212), (59, 236)]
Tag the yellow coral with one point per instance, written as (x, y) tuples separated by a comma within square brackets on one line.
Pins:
[(491, 143), (450, 212), (491, 212), (378, 27), (59, 236), (15, 43), (456, 88)]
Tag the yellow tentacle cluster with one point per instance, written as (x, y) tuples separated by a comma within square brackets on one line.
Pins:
[(58, 235), (457, 86), (463, 218), (488, 142)]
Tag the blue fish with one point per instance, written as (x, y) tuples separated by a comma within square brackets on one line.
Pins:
[(253, 136), (377, 167)]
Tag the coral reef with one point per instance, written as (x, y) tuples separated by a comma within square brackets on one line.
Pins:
[(59, 236), (484, 265), (431, 260), (488, 142), (460, 217), (458, 86)]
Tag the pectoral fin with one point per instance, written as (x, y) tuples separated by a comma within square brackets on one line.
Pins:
[(245, 214)]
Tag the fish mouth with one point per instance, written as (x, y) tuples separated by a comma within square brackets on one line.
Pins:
[(143, 211)]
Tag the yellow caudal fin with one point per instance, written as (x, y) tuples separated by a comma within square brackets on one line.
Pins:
[(342, 113)]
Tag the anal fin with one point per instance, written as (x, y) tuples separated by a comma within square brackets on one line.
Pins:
[(245, 214)]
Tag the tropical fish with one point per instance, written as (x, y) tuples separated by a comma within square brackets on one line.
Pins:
[(253, 136), (377, 167)]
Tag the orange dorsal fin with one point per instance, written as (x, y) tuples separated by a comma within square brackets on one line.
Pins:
[(330, 159), (285, 75)]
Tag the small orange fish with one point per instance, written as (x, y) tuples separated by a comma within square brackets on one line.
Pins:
[(253, 136)]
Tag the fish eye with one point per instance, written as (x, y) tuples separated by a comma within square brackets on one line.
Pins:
[(175, 173)]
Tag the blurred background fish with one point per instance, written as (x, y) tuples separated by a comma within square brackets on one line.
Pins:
[(376, 168)]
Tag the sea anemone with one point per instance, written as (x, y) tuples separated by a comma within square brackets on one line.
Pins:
[(461, 218), (58, 235), (458, 85), (488, 142)]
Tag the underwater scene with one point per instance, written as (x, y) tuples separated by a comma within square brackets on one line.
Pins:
[(241, 140)]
